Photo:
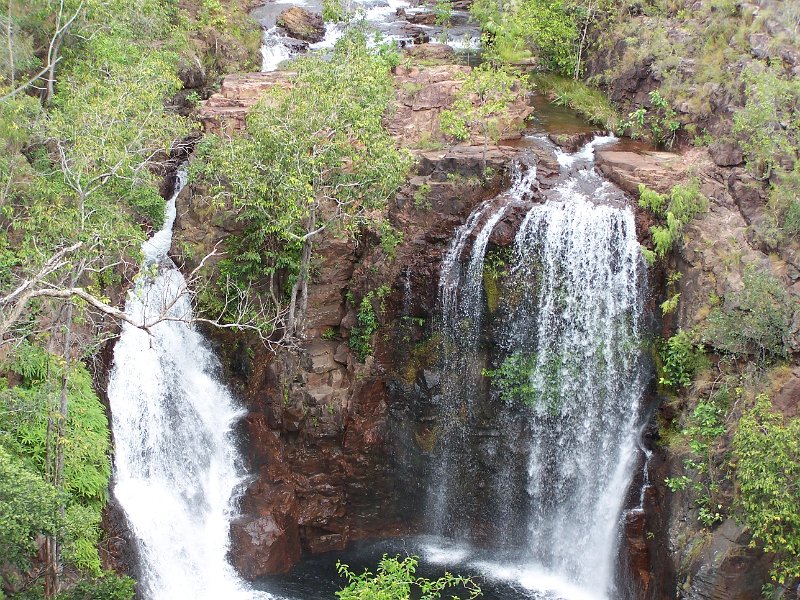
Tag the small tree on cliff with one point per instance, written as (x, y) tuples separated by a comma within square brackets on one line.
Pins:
[(482, 102)]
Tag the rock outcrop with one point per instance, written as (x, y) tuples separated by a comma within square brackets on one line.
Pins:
[(226, 111), (718, 248), (302, 24)]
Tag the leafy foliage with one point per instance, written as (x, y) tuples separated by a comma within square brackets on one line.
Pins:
[(315, 157), (767, 453), (396, 579), (768, 126), (361, 334), (706, 464), (683, 204), (86, 444), (591, 103), (681, 358), (548, 29), (108, 586), (482, 101), (515, 382), (756, 321), (659, 124), (28, 508)]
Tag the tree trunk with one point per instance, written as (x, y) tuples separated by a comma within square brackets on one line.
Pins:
[(300, 288), (57, 428)]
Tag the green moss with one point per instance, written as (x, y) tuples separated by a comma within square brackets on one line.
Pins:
[(492, 289), (422, 355)]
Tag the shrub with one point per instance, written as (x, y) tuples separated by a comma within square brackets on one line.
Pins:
[(784, 202), (28, 508), (547, 29), (681, 358), (677, 209), (361, 334), (768, 126), (482, 101), (515, 382), (396, 579), (660, 124), (108, 586), (756, 321), (767, 452)]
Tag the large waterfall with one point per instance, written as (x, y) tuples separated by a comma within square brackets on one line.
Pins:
[(176, 462), (563, 355)]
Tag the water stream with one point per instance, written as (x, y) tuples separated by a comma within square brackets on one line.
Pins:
[(388, 17), (176, 467)]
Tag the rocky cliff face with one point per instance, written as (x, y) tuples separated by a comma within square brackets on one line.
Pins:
[(717, 561)]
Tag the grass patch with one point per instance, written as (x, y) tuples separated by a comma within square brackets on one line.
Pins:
[(591, 103)]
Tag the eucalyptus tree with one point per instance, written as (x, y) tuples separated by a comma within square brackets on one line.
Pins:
[(315, 158)]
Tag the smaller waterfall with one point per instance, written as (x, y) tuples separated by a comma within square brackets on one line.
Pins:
[(461, 304), (176, 462), (562, 447), (274, 49)]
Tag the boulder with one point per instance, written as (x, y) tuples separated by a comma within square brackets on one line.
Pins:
[(432, 52), (266, 538), (726, 154), (302, 24), (421, 18), (728, 567), (629, 169), (192, 74)]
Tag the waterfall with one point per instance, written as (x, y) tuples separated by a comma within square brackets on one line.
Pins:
[(567, 339), (461, 303), (176, 466), (583, 264)]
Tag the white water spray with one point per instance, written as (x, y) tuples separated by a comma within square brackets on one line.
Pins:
[(176, 462)]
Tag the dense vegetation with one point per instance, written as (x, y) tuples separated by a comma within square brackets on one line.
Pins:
[(315, 158), (85, 127)]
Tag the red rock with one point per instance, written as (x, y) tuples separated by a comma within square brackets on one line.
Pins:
[(302, 24)]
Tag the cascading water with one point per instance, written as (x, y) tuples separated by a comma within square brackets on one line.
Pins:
[(176, 467), (566, 338), (582, 340), (461, 300), (389, 17)]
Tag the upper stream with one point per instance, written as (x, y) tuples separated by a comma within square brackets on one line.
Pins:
[(391, 18)]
